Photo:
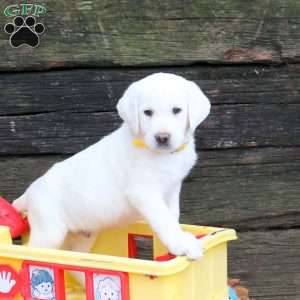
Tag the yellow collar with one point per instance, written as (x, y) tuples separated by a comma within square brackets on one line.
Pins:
[(141, 144)]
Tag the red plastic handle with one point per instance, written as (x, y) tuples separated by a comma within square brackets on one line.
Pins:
[(11, 218)]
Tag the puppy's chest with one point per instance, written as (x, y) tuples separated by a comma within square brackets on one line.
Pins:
[(172, 168)]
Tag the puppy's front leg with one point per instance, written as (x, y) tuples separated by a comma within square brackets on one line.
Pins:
[(155, 211), (173, 201)]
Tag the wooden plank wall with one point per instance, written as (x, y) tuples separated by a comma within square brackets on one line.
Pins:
[(60, 97)]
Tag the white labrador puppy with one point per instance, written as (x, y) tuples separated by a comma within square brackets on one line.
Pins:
[(135, 172)]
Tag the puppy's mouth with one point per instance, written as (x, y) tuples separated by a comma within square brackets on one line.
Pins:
[(168, 148), (156, 147), (164, 147)]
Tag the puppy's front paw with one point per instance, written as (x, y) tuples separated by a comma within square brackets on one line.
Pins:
[(187, 245), (194, 246)]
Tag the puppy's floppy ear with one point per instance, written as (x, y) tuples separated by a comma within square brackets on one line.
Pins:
[(198, 106), (128, 108)]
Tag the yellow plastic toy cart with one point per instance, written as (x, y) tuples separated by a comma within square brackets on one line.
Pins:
[(32, 273)]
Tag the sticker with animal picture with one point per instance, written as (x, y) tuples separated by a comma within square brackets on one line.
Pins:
[(107, 287), (42, 282)]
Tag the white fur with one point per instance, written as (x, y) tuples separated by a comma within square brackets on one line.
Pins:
[(113, 182)]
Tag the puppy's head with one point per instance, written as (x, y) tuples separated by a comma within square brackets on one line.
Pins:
[(163, 110)]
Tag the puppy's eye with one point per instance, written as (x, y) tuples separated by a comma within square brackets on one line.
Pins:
[(176, 110), (148, 112)]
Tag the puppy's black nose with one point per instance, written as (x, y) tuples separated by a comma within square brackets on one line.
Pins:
[(162, 138)]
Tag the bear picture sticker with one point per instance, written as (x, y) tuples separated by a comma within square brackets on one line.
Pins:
[(24, 29)]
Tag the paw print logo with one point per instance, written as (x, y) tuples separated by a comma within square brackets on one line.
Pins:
[(24, 32)]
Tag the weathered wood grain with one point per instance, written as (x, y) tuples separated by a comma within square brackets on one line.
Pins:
[(18, 172), (99, 89), (253, 106), (246, 189), (268, 263), (104, 33), (226, 127), (252, 196)]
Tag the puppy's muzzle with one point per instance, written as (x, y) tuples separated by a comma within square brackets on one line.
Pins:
[(163, 139)]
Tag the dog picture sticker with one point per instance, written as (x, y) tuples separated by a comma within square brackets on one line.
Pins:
[(107, 287), (24, 29)]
